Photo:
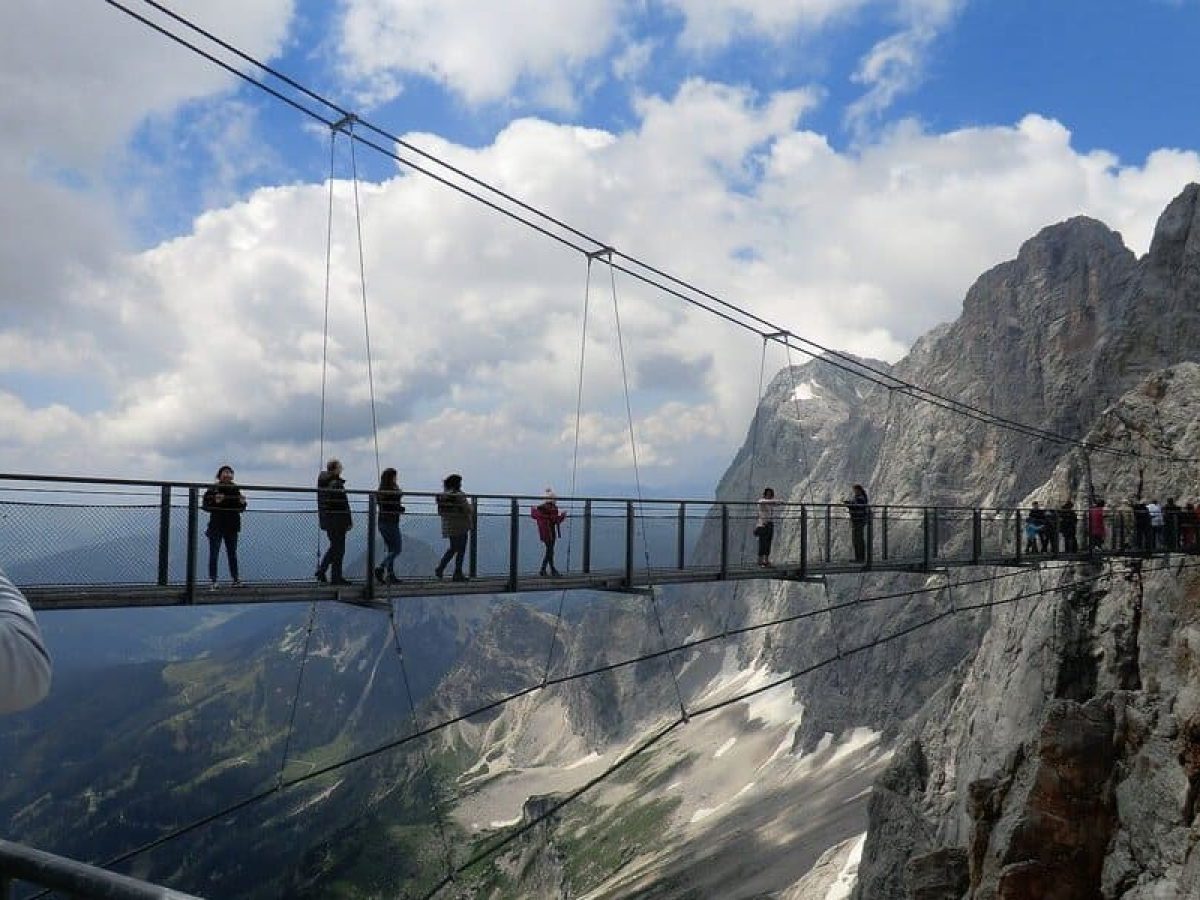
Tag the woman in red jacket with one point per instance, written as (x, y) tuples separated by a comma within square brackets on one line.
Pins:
[(548, 517)]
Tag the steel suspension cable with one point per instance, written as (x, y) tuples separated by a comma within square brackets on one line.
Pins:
[(562, 596), (362, 275), (662, 635)]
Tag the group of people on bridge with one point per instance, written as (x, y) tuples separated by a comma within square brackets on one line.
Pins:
[(224, 502)]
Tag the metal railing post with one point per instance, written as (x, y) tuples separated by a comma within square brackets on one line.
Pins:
[(193, 528), (870, 537), (803, 540), (926, 556), (724, 540), (587, 536), (372, 517), (681, 556), (514, 538), (164, 539), (936, 519), (883, 537), (1019, 536), (976, 535), (828, 532), (629, 531), (473, 540)]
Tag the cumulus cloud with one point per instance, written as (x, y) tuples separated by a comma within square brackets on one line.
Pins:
[(895, 65), (209, 346), (711, 25), (479, 51)]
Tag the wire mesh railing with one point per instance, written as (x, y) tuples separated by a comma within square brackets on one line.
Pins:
[(61, 532)]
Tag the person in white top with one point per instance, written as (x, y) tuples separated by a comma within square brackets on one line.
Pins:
[(24, 662), (764, 527), (1156, 524)]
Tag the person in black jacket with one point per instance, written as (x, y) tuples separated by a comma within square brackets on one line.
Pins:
[(387, 500), (224, 504), (333, 515), (860, 512), (1068, 526)]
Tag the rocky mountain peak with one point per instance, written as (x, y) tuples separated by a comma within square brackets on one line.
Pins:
[(1176, 241)]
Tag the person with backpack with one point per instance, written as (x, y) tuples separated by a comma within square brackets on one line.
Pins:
[(764, 527), (224, 504), (548, 517), (333, 516), (388, 510), (860, 512), (454, 509), (1156, 525)]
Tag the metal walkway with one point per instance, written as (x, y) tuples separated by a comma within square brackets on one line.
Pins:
[(87, 543)]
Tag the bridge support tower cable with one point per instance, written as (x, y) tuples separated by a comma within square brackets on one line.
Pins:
[(562, 596), (750, 485), (637, 478)]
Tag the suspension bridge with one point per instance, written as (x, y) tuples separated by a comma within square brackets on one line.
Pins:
[(93, 543), (106, 543)]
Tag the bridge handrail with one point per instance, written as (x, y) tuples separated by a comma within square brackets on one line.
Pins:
[(367, 492), (19, 863)]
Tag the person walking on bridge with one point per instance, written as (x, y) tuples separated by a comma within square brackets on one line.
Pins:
[(860, 513), (455, 511), (1036, 539), (333, 515), (1096, 532), (24, 662), (1068, 525), (548, 517), (224, 504), (389, 508), (1156, 525), (764, 528)]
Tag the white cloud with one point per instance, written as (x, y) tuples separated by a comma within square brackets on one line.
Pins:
[(895, 65), (480, 51), (710, 25), (210, 344)]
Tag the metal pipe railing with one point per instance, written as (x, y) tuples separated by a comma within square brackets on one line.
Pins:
[(19, 863)]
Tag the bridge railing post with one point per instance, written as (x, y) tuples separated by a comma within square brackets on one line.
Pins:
[(936, 540), (1019, 535), (871, 555), (828, 533), (724, 540), (630, 527), (193, 537), (473, 540), (514, 541), (976, 535), (164, 536), (587, 536), (803, 540), (681, 555), (372, 516), (926, 529), (883, 534)]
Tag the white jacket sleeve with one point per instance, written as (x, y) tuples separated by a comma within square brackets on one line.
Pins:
[(24, 662)]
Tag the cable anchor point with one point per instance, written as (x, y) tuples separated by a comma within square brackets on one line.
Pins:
[(345, 123)]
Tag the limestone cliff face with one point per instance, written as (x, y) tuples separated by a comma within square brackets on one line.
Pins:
[(1050, 338), (1064, 759)]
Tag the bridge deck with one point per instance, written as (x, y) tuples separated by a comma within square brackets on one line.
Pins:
[(118, 596)]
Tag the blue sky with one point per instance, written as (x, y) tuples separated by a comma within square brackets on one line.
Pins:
[(845, 167)]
